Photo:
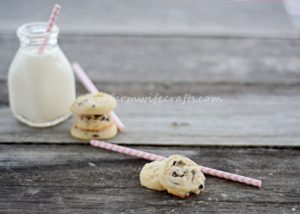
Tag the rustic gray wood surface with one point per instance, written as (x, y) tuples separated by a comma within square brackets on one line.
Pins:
[(156, 17), (236, 121), (241, 57), (78, 178), (254, 84)]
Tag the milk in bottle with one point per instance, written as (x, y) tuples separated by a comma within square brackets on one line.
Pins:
[(41, 84)]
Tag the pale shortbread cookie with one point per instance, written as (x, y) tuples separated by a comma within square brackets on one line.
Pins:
[(93, 122), (106, 133), (94, 103), (149, 176), (181, 176)]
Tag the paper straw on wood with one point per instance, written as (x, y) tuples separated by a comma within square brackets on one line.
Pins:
[(231, 176), (153, 157), (51, 23), (89, 85)]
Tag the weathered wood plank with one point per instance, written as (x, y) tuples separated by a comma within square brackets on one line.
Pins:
[(177, 59), (179, 89), (237, 120), (156, 17), (139, 89), (50, 178)]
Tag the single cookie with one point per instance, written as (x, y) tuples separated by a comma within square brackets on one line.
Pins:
[(149, 176), (106, 133), (94, 103), (93, 122), (181, 176)]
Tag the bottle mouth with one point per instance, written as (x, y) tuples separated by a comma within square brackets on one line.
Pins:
[(36, 31)]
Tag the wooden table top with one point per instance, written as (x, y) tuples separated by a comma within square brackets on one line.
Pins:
[(240, 61)]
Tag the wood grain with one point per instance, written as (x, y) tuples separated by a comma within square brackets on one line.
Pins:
[(237, 120), (177, 59), (156, 17), (40, 178), (258, 80)]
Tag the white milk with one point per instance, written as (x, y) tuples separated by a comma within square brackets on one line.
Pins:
[(41, 86)]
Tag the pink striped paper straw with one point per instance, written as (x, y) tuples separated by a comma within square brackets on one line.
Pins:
[(51, 23), (153, 157), (89, 85)]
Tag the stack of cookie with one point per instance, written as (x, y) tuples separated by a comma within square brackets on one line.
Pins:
[(92, 117), (178, 175)]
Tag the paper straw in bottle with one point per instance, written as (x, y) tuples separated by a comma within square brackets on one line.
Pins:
[(51, 23)]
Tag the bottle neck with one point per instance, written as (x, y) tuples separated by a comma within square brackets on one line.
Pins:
[(35, 35), (33, 43)]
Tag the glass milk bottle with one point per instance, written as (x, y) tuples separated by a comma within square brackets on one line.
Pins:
[(41, 82)]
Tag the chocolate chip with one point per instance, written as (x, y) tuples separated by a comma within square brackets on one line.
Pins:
[(107, 119), (174, 163), (193, 172), (201, 186), (97, 116), (95, 135), (180, 163), (174, 174), (182, 175)]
